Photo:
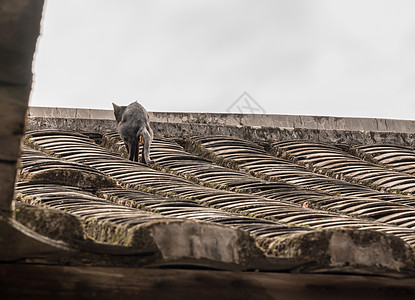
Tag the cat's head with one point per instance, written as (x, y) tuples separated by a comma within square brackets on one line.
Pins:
[(118, 112)]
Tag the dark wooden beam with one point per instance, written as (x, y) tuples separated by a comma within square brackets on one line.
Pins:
[(19, 281)]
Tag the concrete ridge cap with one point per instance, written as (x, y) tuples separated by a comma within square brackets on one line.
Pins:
[(343, 247), (196, 239), (255, 121)]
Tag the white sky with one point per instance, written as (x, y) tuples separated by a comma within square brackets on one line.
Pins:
[(320, 57)]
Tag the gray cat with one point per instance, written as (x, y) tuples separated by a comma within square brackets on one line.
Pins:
[(133, 122)]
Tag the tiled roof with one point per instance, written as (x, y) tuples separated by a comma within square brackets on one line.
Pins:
[(225, 202), (78, 203)]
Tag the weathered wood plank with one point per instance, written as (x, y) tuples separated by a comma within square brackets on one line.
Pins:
[(19, 30)]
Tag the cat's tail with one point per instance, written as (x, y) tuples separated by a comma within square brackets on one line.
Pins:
[(147, 134)]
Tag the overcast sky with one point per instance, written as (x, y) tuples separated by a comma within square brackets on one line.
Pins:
[(320, 57)]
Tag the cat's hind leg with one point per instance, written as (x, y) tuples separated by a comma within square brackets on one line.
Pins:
[(148, 138), (134, 151)]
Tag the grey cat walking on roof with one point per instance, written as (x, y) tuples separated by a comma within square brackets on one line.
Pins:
[(133, 122)]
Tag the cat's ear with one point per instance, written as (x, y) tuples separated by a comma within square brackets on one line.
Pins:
[(117, 112)]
